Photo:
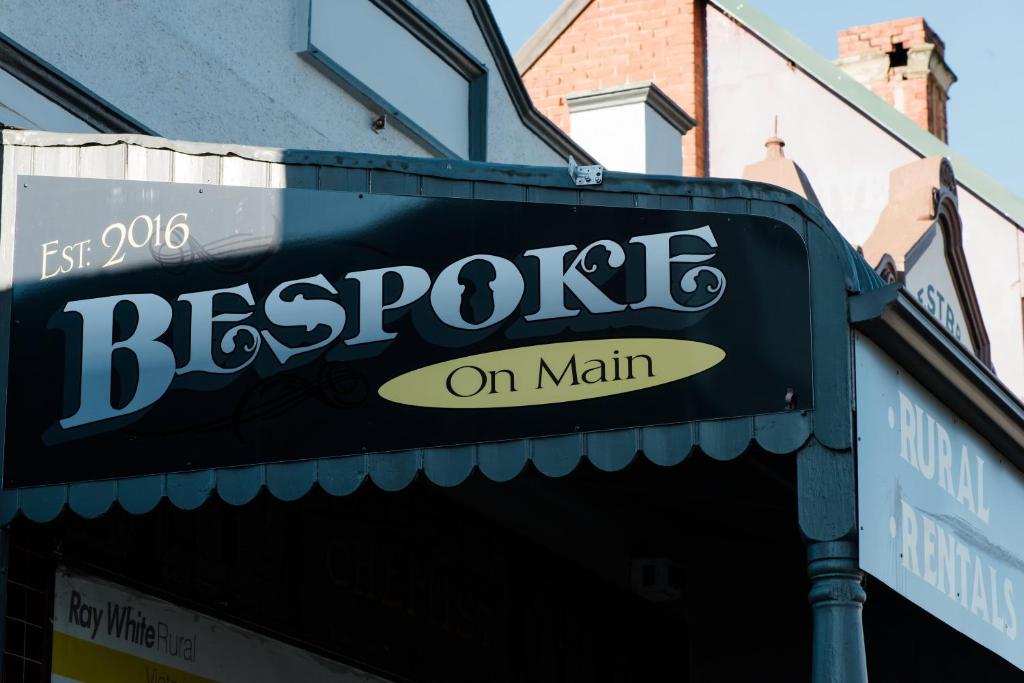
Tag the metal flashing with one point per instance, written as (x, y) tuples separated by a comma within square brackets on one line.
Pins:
[(437, 41), (633, 93), (891, 318), (65, 91), (431, 35), (535, 122)]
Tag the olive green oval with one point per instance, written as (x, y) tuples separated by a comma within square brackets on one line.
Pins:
[(552, 373)]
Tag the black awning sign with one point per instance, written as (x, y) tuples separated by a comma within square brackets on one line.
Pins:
[(163, 327)]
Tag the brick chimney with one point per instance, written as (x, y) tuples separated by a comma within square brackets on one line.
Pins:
[(902, 62)]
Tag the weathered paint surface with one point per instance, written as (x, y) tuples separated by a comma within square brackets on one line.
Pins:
[(939, 508), (930, 282), (749, 84)]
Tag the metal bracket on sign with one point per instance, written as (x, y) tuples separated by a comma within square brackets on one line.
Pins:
[(585, 175)]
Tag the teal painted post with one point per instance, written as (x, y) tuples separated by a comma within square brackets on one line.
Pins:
[(5, 560), (837, 598), (827, 504)]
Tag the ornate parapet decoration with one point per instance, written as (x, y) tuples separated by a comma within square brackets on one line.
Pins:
[(918, 242)]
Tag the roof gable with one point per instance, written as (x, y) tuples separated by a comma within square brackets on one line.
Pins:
[(534, 121), (919, 242), (979, 183), (973, 179)]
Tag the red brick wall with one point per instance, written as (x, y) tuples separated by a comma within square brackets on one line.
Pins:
[(614, 42), (923, 99)]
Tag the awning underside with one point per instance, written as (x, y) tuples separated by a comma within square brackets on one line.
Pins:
[(553, 456)]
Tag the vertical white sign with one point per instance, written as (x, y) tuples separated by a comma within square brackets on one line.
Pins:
[(940, 510)]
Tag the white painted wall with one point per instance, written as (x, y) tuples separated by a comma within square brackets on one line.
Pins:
[(848, 159), (629, 137), (507, 139), (846, 156), (664, 147), (228, 71), (614, 135), (396, 65), (991, 246)]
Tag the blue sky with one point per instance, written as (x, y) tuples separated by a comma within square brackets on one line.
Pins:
[(986, 105)]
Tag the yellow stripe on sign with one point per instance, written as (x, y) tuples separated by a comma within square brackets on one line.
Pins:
[(90, 662)]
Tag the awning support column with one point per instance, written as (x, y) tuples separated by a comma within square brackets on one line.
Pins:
[(5, 560), (837, 597), (827, 505)]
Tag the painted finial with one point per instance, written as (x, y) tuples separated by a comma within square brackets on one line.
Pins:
[(774, 144)]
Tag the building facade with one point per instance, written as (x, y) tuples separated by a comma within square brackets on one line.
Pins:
[(272, 75), (863, 138), (849, 126), (439, 403)]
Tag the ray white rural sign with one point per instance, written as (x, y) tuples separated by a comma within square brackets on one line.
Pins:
[(103, 631)]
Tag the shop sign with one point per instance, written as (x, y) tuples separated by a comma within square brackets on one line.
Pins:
[(164, 327), (106, 632), (939, 508)]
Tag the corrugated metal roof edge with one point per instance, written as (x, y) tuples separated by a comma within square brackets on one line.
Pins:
[(860, 276), (553, 456), (902, 327), (972, 178)]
